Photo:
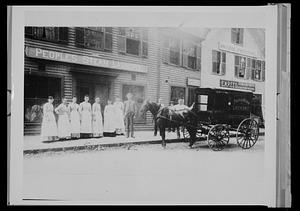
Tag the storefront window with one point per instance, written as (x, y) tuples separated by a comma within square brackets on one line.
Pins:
[(52, 34), (36, 92), (218, 62), (177, 93), (138, 96), (98, 38), (237, 35), (133, 41)]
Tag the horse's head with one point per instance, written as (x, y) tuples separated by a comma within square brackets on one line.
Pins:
[(148, 105)]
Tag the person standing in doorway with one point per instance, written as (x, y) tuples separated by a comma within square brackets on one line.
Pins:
[(97, 119), (109, 119), (74, 118), (130, 110), (63, 125), (119, 117), (49, 127), (85, 110)]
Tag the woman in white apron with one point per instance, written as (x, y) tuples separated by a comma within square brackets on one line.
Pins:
[(49, 127), (97, 119), (63, 124), (75, 118), (85, 110), (119, 117), (109, 119)]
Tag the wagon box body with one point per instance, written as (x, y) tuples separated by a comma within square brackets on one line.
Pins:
[(219, 106)]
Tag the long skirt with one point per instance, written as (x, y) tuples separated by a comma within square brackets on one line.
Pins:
[(75, 124), (97, 125), (49, 127), (64, 127), (119, 122), (86, 122), (109, 123)]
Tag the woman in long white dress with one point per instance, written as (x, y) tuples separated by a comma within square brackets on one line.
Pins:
[(75, 118), (85, 110), (63, 124), (109, 119), (49, 127), (97, 119), (119, 117)]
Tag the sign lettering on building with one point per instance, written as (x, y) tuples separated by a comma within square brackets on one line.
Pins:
[(83, 60), (237, 85), (237, 49), (193, 82)]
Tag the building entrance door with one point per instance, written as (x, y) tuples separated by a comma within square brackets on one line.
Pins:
[(102, 91)]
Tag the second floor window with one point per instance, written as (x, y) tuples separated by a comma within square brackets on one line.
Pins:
[(51, 34), (98, 38), (248, 68), (240, 67), (218, 62), (181, 52), (237, 35), (133, 41)]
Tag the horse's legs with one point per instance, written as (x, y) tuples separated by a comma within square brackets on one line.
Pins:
[(155, 128), (163, 136), (192, 133), (178, 132)]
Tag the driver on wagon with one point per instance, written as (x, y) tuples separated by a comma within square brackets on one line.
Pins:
[(180, 106)]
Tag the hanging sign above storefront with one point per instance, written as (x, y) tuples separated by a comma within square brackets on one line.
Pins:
[(237, 49), (83, 60), (193, 82), (237, 85)]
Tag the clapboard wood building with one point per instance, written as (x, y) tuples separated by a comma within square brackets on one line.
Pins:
[(107, 62)]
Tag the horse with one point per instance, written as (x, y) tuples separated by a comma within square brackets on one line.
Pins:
[(166, 118)]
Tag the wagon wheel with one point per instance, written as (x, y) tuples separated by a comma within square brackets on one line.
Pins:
[(218, 137), (247, 133)]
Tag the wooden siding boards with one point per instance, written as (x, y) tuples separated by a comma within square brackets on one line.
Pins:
[(65, 70)]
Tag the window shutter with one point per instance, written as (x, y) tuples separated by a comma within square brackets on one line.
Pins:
[(241, 36), (63, 34), (198, 57), (166, 50), (236, 66), (184, 55), (263, 71), (108, 41), (79, 36), (223, 63), (145, 49), (121, 44)]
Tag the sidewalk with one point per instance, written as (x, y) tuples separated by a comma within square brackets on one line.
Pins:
[(33, 144)]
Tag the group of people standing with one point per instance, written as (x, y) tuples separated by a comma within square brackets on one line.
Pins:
[(85, 120)]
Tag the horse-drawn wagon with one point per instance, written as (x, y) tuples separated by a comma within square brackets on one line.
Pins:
[(216, 116)]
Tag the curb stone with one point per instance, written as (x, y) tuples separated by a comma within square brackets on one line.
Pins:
[(102, 146)]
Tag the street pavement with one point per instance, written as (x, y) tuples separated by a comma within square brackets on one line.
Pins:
[(148, 173), (34, 144)]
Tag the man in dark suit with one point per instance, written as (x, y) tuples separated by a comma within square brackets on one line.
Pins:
[(130, 111)]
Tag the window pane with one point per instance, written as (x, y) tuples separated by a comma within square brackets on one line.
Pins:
[(108, 29), (214, 55), (93, 39), (223, 57), (122, 31), (237, 60), (108, 41), (192, 62), (132, 46), (174, 57)]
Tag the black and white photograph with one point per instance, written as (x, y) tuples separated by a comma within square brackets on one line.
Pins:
[(143, 114)]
